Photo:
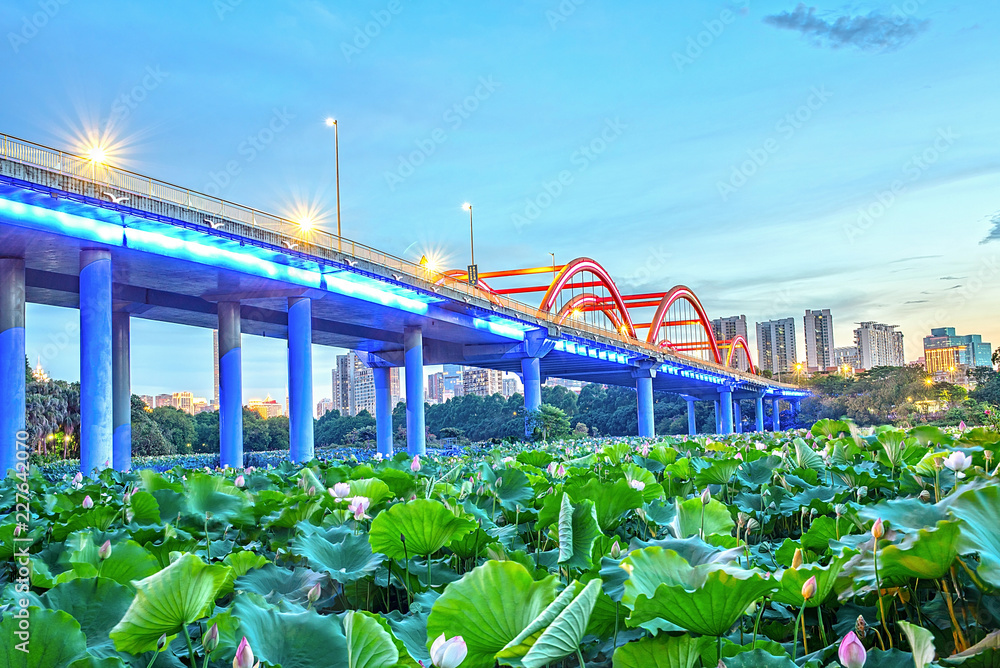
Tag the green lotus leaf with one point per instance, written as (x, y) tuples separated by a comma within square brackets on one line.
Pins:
[(792, 579), (489, 607), (756, 473), (276, 584), (577, 532), (694, 550), (704, 599), (652, 489), (688, 522), (557, 637), (181, 593), (98, 604), (369, 645), (374, 489), (824, 529), (921, 643), (427, 526), (979, 512), (719, 472), (347, 560), (290, 639), (55, 640), (514, 487), (828, 427), (128, 561), (904, 514), (145, 509), (214, 495), (758, 658), (610, 501), (411, 629), (807, 458), (663, 651), (927, 554)]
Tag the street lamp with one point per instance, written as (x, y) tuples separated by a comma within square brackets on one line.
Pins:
[(553, 264), (473, 273), (332, 123)]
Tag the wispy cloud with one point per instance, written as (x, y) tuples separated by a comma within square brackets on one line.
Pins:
[(994, 234), (915, 257), (872, 32), (952, 278), (917, 301)]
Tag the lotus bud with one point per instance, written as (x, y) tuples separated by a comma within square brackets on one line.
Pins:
[(877, 529), (104, 551), (809, 588), (839, 509), (211, 639), (312, 490), (860, 627), (499, 483), (415, 464), (706, 496), (240, 480), (616, 551), (925, 496), (961, 426), (797, 558), (862, 492), (813, 513), (161, 642), (851, 652), (561, 471), (313, 594), (244, 655), (448, 653), (78, 478), (88, 502)]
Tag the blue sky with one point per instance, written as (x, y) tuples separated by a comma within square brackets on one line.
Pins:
[(747, 149)]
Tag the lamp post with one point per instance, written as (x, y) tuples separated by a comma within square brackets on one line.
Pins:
[(553, 264), (473, 273), (332, 122)]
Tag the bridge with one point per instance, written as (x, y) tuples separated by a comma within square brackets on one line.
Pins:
[(79, 233)]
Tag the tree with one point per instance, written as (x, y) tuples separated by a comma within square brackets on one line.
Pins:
[(987, 386), (255, 433), (206, 428), (560, 397), (147, 439), (996, 357), (175, 425), (277, 432), (552, 422)]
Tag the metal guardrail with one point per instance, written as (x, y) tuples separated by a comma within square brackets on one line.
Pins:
[(270, 228)]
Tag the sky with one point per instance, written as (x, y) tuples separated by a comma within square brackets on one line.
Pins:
[(773, 156)]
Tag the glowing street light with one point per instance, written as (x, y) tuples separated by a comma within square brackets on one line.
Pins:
[(331, 122), (96, 154), (305, 223), (473, 273)]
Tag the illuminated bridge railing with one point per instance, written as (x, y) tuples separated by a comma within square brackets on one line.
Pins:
[(73, 173)]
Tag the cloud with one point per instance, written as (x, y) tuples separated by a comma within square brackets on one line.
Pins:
[(915, 257), (917, 301), (951, 278), (994, 234), (872, 33)]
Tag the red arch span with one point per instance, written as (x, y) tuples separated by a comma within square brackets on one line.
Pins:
[(584, 300), (586, 264), (740, 342), (685, 293)]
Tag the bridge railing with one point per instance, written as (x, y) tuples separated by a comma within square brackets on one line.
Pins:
[(279, 231)]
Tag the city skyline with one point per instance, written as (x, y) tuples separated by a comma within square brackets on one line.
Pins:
[(831, 111)]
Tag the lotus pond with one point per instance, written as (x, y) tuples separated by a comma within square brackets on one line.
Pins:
[(822, 548)]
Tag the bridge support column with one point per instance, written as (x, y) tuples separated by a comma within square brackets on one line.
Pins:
[(121, 388), (718, 417), (737, 417), (726, 404), (759, 414), (300, 382), (230, 385), (532, 376), (96, 422), (383, 410), (776, 414), (413, 356), (692, 422), (12, 373), (644, 390)]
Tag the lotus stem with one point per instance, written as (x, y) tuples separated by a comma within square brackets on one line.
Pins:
[(795, 635), (618, 605), (822, 629), (579, 656), (187, 637), (961, 643), (878, 593), (153, 660)]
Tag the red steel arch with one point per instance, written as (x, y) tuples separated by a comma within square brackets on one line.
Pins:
[(685, 293), (738, 342), (582, 264), (588, 299)]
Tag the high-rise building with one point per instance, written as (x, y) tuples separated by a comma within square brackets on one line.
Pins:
[(946, 353), (183, 401), (164, 400), (323, 406), (818, 326), (776, 345), (148, 400), (511, 386), (482, 382), (266, 408), (878, 345), (452, 379), (435, 388), (354, 385), (727, 329), (846, 356)]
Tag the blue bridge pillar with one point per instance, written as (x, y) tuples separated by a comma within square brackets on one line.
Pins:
[(644, 390), (737, 417), (692, 422), (718, 417), (96, 430), (383, 410), (532, 376), (759, 414), (230, 385), (12, 376), (726, 404), (300, 379), (413, 357), (776, 414), (121, 388)]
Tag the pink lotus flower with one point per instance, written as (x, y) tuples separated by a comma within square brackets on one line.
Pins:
[(637, 485), (244, 656), (340, 490), (415, 464), (88, 502), (240, 481), (851, 652), (359, 506), (449, 653), (958, 462), (561, 471), (961, 426)]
